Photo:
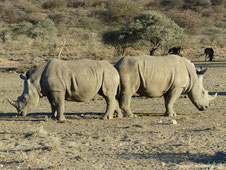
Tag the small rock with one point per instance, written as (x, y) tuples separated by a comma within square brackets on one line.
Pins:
[(174, 121)]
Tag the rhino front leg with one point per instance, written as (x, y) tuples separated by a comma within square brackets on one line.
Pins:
[(125, 105), (53, 108), (170, 98), (58, 102)]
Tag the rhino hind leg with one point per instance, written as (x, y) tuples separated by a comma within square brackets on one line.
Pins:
[(118, 111), (170, 98), (111, 107), (125, 105)]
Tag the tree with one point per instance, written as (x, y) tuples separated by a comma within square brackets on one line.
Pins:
[(148, 30)]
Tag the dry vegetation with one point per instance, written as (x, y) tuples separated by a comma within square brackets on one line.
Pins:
[(82, 23), (32, 31)]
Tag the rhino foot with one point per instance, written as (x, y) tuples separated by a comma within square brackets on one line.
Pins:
[(107, 117), (119, 115), (61, 119), (130, 115), (171, 114), (52, 117)]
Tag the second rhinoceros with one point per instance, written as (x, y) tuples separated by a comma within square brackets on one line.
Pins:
[(74, 80), (166, 76)]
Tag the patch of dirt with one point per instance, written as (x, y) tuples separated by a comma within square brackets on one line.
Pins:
[(192, 140), (6, 63)]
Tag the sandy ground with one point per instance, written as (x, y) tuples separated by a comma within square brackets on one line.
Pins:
[(192, 140)]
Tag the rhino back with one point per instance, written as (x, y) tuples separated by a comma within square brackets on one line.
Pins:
[(153, 76)]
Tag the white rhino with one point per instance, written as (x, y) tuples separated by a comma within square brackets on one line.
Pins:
[(166, 76), (73, 80)]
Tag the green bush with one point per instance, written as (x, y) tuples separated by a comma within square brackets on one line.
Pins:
[(151, 29), (42, 29), (22, 27)]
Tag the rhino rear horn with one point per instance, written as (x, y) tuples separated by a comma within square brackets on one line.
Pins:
[(15, 104)]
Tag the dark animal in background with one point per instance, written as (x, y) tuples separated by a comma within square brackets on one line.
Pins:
[(176, 50), (209, 53)]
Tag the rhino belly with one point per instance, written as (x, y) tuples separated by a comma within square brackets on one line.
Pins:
[(80, 96), (152, 89), (150, 92)]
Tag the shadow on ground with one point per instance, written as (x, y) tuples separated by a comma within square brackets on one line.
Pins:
[(217, 158), (43, 116)]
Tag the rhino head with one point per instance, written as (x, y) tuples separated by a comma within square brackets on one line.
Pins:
[(198, 95), (29, 98)]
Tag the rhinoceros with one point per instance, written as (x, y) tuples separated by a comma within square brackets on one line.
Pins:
[(73, 80), (156, 76)]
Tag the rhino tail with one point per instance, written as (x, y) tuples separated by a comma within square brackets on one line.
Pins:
[(118, 92)]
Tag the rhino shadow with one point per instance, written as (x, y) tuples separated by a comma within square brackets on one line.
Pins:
[(150, 114), (217, 158), (41, 116), (221, 93)]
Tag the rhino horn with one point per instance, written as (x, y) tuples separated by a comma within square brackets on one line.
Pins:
[(212, 97), (15, 104), (201, 72)]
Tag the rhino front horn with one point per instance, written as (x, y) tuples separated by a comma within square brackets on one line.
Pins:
[(15, 104), (212, 97)]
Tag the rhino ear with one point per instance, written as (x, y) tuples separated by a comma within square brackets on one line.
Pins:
[(23, 77), (201, 72), (28, 74)]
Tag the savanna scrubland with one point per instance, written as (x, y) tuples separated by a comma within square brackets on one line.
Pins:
[(32, 31)]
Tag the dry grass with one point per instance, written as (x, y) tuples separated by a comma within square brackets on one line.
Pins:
[(81, 25)]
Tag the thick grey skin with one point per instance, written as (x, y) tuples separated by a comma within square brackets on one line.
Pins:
[(166, 76), (76, 80)]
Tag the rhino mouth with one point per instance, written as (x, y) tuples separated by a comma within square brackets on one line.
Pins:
[(202, 108)]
